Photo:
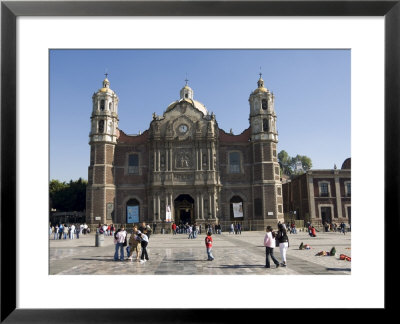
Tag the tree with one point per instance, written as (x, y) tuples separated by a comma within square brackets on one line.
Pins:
[(285, 162), (68, 196), (293, 165)]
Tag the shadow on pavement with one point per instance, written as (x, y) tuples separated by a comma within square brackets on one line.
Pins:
[(188, 260), (92, 259), (240, 266)]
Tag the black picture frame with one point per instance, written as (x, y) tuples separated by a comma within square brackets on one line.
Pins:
[(10, 10)]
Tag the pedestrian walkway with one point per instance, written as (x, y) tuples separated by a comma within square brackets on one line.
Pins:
[(177, 255)]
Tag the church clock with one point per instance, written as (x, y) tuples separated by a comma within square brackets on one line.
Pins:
[(182, 128)]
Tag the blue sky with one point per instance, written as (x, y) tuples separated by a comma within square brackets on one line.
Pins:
[(311, 88)]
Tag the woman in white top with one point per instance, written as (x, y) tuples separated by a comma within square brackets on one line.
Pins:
[(269, 243)]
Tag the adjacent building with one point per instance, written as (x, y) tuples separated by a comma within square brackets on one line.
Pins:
[(319, 196)]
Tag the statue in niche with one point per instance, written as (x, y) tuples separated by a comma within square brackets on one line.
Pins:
[(198, 128), (204, 159), (169, 128), (162, 161)]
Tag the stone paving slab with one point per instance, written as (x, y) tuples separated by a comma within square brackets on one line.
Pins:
[(177, 255)]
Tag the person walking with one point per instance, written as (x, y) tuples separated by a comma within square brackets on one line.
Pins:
[(65, 231), (232, 229), (144, 241), (343, 228), (208, 241), (240, 228), (72, 232), (56, 232), (283, 241), (269, 243), (120, 237)]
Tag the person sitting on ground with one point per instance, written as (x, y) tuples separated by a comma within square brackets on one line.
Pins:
[(313, 232)]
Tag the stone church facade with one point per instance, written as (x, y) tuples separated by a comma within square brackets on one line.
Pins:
[(184, 163)]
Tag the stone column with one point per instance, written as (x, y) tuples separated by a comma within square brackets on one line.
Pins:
[(170, 157), (171, 205), (210, 210), (158, 159), (215, 205), (201, 159), (338, 198), (197, 206), (158, 207), (197, 157), (209, 158), (155, 160), (154, 207), (312, 200), (202, 206)]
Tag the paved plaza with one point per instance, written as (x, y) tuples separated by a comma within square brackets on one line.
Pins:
[(177, 255)]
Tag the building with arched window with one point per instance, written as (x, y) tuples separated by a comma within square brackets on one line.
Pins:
[(184, 168)]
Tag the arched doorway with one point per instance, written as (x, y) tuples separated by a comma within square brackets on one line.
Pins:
[(132, 211), (184, 209), (236, 208)]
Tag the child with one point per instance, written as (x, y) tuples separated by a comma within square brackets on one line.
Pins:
[(208, 241)]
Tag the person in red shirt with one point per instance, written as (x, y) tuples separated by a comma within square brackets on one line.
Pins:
[(173, 228), (313, 233), (208, 241)]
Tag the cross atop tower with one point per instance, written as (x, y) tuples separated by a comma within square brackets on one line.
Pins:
[(186, 80), (106, 74), (260, 73)]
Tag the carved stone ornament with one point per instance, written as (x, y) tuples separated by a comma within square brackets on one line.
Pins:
[(183, 159)]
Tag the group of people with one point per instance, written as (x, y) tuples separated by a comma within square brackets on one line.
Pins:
[(66, 231), (274, 239), (137, 243), (106, 229), (235, 228)]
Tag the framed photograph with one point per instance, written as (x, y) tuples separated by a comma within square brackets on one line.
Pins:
[(371, 29)]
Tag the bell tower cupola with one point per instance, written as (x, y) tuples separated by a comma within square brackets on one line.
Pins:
[(262, 113), (104, 118), (186, 92)]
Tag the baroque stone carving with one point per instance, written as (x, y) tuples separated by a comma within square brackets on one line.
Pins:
[(183, 159)]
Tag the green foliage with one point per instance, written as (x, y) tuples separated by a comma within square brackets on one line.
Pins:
[(288, 164), (68, 196)]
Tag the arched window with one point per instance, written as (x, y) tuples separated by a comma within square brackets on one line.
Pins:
[(265, 125), (234, 162), (236, 208), (109, 106), (101, 126), (132, 211), (102, 104), (264, 104)]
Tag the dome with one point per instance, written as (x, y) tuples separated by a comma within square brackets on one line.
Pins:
[(186, 95), (196, 104), (261, 87), (106, 87), (346, 164)]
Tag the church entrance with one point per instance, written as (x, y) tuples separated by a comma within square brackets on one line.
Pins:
[(184, 209)]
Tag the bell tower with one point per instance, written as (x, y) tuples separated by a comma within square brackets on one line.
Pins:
[(102, 140), (267, 186)]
